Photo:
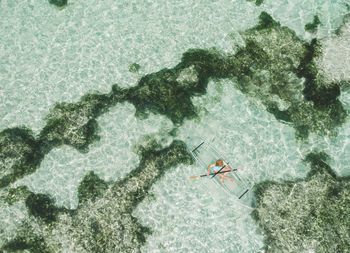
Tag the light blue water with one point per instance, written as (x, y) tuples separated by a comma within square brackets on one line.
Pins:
[(49, 56)]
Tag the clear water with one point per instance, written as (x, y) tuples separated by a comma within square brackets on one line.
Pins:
[(49, 56)]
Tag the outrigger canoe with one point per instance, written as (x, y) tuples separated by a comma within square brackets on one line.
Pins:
[(205, 155)]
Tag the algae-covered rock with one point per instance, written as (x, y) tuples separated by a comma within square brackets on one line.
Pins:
[(72, 124), (275, 66), (309, 215)]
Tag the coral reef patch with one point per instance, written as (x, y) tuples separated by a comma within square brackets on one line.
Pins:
[(103, 221), (74, 124), (274, 67), (308, 215), (281, 73)]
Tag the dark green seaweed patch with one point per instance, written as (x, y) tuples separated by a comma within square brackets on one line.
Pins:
[(157, 163), (19, 154), (119, 201), (278, 68), (58, 3), (275, 66), (326, 111), (26, 239), (75, 124), (311, 214), (72, 124), (33, 244), (266, 22), (106, 223), (91, 187), (42, 206), (312, 27), (169, 91), (13, 195), (257, 2), (134, 67), (161, 93)]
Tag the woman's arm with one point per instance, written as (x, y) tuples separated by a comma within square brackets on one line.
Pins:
[(228, 166)]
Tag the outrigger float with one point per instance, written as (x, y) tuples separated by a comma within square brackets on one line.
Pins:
[(205, 155)]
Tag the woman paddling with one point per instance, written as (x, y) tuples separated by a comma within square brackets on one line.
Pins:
[(221, 166)]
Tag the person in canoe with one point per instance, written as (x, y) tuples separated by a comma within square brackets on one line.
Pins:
[(217, 167)]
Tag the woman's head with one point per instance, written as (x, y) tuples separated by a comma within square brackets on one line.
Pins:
[(219, 162)]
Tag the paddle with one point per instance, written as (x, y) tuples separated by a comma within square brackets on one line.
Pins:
[(212, 173)]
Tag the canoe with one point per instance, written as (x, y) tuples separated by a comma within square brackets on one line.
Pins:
[(205, 154)]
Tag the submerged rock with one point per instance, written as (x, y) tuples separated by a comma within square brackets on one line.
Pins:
[(312, 27), (309, 215), (105, 222), (26, 241)]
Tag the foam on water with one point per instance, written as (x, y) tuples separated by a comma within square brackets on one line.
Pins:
[(190, 215), (111, 158)]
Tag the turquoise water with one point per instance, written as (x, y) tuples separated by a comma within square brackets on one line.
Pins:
[(51, 55)]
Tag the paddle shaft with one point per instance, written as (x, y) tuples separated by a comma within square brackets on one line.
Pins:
[(219, 172)]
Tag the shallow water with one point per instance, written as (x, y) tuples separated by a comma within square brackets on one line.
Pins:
[(50, 55), (200, 211)]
